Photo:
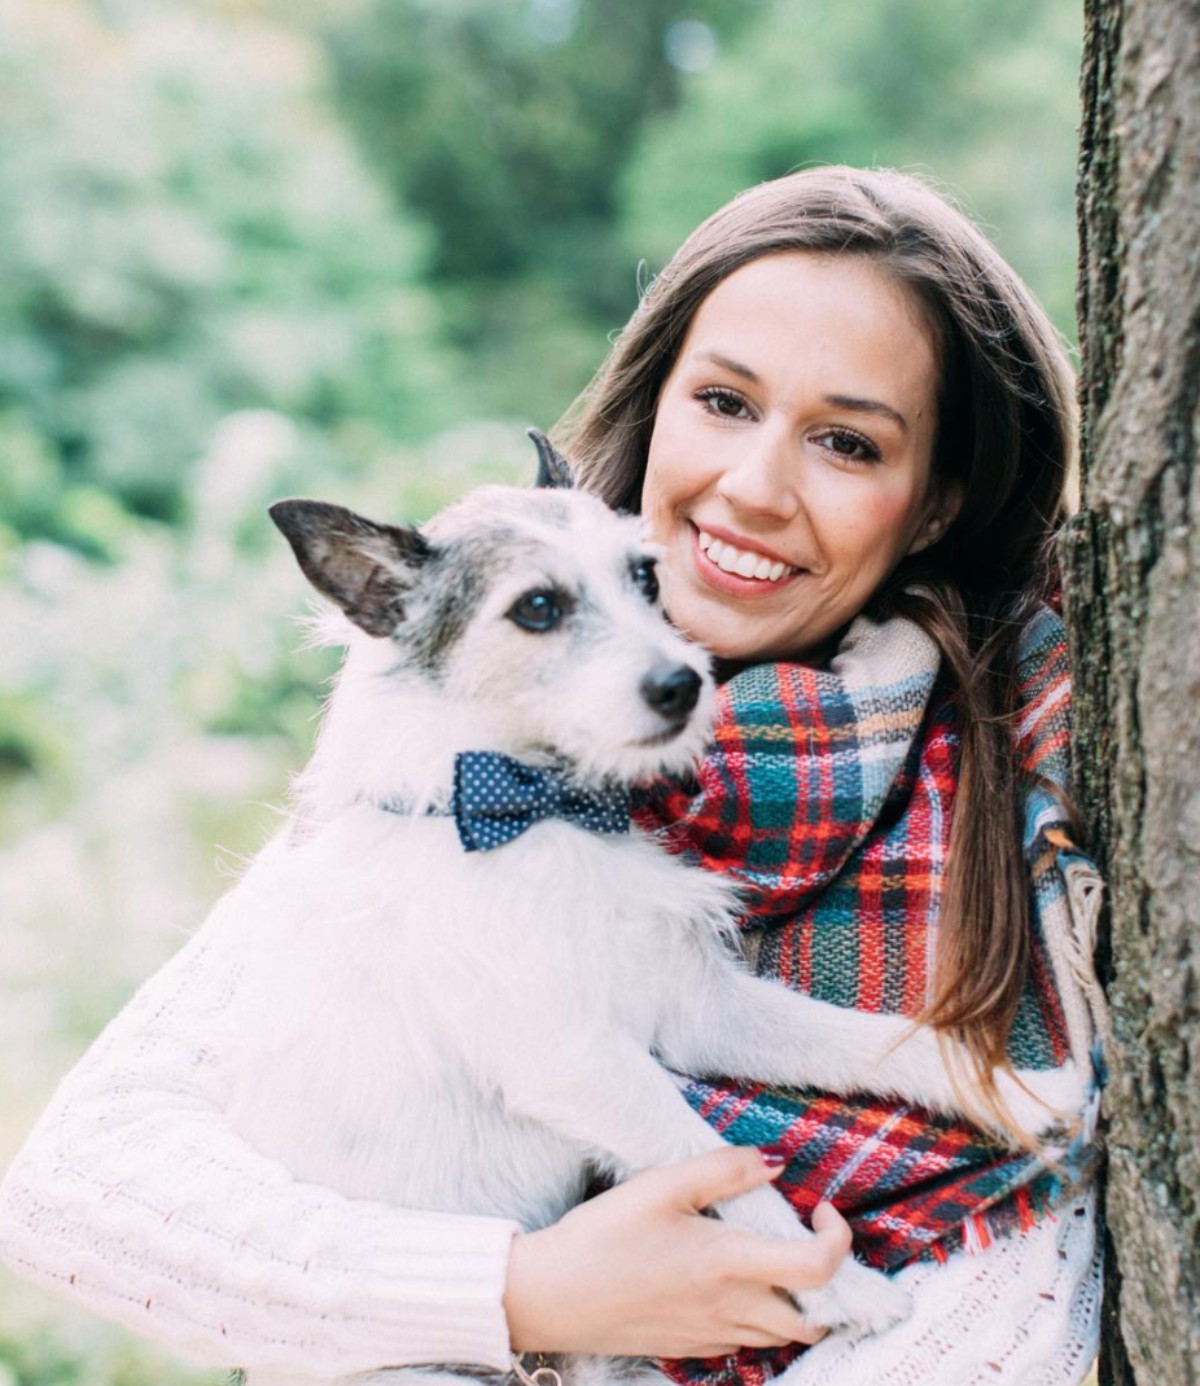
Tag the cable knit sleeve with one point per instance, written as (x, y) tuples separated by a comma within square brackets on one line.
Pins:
[(134, 1197)]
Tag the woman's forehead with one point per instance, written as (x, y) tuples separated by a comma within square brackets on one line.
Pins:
[(837, 323)]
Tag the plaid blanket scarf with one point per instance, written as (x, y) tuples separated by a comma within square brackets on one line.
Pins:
[(828, 794)]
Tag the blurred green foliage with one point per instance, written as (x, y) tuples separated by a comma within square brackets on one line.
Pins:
[(37, 1349), (981, 97), (506, 125), (349, 248), (189, 230)]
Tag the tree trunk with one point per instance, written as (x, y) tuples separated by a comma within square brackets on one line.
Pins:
[(1132, 567)]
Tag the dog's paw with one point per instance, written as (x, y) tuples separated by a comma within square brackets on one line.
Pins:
[(763, 1211), (855, 1302), (1042, 1102)]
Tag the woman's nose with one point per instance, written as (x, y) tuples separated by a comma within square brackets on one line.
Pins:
[(763, 478)]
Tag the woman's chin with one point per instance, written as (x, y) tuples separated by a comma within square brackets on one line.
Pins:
[(745, 627), (731, 640)]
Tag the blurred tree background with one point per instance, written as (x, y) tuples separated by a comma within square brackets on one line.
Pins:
[(349, 248)]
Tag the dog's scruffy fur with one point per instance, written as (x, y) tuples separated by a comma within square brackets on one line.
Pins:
[(484, 1031)]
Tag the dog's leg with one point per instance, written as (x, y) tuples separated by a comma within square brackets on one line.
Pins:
[(627, 1111), (728, 1022)]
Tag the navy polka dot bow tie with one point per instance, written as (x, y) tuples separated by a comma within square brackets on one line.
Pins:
[(496, 798)]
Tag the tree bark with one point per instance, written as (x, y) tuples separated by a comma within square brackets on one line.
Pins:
[(1132, 571)]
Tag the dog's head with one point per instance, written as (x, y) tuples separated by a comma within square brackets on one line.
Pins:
[(538, 609)]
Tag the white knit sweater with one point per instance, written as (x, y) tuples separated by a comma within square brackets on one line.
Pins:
[(1025, 1312), (133, 1197)]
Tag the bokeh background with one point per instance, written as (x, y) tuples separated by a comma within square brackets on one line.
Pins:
[(349, 248)]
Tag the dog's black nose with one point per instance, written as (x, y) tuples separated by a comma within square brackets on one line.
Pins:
[(672, 692)]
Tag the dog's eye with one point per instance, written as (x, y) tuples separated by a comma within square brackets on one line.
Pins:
[(645, 579), (540, 610)]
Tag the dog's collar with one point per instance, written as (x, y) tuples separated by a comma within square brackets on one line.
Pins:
[(496, 798)]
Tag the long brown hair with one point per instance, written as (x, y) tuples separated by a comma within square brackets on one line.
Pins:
[(1005, 435)]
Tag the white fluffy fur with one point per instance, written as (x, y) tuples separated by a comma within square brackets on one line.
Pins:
[(472, 1032)]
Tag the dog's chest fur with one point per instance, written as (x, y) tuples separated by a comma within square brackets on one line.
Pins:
[(382, 970)]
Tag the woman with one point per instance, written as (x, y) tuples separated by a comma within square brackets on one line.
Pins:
[(835, 403), (837, 399)]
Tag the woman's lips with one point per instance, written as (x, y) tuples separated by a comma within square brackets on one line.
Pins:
[(723, 565)]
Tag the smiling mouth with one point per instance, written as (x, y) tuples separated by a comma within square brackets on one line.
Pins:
[(743, 563)]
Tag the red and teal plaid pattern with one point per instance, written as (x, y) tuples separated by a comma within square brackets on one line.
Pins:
[(901, 1175), (828, 795)]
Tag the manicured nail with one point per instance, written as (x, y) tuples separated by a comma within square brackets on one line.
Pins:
[(772, 1157)]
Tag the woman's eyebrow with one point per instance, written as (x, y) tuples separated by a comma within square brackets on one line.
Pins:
[(727, 363), (867, 406), (851, 402)]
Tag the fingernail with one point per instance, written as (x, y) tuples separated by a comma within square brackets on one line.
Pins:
[(773, 1157)]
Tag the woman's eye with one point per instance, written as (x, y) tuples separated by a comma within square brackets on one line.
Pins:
[(727, 403), (851, 446), (645, 579), (537, 611)]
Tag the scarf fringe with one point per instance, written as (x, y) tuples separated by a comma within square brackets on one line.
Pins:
[(1021, 1212)]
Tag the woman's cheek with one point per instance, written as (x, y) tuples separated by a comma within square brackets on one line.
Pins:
[(662, 484), (872, 525)]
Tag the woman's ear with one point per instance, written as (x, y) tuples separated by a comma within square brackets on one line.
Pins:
[(947, 502)]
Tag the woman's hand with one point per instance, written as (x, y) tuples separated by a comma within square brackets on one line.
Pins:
[(637, 1271)]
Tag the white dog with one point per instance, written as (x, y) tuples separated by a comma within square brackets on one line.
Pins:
[(473, 1014)]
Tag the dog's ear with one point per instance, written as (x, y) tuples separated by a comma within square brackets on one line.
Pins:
[(366, 568), (553, 468)]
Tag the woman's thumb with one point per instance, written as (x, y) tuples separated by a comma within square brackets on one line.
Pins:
[(717, 1175)]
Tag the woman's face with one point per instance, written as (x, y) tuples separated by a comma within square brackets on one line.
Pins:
[(790, 463)]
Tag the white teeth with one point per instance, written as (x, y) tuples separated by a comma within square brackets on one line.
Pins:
[(741, 562)]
